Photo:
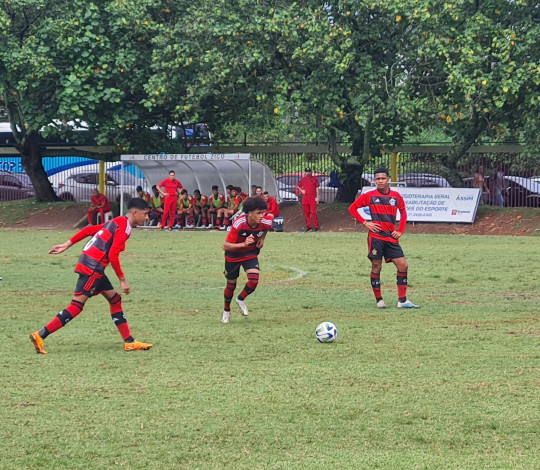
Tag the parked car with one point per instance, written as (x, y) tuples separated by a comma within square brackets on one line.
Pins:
[(287, 186), (15, 186), (77, 184), (423, 180)]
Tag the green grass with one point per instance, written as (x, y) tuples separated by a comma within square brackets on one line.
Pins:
[(453, 385)]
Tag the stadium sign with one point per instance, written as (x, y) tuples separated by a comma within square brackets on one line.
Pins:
[(435, 204)]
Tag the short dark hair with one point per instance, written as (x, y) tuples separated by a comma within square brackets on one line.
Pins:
[(259, 187), (196, 192), (139, 188), (137, 203), (253, 204), (183, 191), (215, 187), (382, 170), (229, 186), (266, 192), (253, 186), (172, 171)]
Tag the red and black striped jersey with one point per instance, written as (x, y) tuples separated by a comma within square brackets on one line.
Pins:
[(383, 208), (107, 242), (241, 230)]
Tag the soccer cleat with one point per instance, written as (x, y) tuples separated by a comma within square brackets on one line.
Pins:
[(242, 306), (137, 346), (316, 230), (209, 226), (407, 304), (38, 342), (226, 317), (381, 304), (309, 229)]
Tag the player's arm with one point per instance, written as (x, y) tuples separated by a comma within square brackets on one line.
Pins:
[(363, 201), (402, 220), (260, 241), (91, 230), (119, 245), (300, 187)]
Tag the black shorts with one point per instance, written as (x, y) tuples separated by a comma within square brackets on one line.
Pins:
[(91, 285), (379, 248), (232, 269)]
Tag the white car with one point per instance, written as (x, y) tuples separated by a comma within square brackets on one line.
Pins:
[(77, 184)]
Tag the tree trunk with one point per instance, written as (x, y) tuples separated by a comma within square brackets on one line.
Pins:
[(351, 173), (31, 161)]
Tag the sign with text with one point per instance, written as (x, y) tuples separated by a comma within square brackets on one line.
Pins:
[(435, 204), (187, 157)]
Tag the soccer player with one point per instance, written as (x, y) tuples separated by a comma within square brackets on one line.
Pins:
[(273, 208), (225, 213), (172, 188), (383, 238), (242, 247), (108, 241), (184, 209), (98, 204), (308, 187), (143, 194), (156, 214), (199, 207), (215, 202)]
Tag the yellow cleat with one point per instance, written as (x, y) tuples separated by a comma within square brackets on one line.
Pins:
[(38, 342), (137, 346)]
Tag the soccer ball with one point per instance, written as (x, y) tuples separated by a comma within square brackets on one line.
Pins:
[(326, 332)]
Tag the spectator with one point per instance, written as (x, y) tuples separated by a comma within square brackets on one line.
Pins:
[(225, 213), (98, 204), (156, 206), (308, 187), (199, 207), (184, 210), (172, 187), (272, 210), (215, 202), (497, 186), (480, 182), (143, 194)]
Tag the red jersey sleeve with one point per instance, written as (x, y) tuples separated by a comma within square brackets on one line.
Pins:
[(403, 214), (361, 201), (118, 245), (91, 230), (232, 235)]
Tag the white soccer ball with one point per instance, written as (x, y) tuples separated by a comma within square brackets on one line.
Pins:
[(326, 332)]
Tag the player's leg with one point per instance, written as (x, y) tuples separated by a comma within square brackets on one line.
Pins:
[(313, 208), (402, 282), (119, 319), (232, 271), (211, 212), (219, 217), (91, 213), (228, 213), (305, 208), (375, 254), (84, 289), (167, 207), (204, 212), (174, 206), (251, 267)]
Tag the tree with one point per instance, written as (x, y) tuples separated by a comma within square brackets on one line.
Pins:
[(73, 64)]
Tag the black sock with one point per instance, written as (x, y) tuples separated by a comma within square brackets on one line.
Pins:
[(43, 333), (129, 340)]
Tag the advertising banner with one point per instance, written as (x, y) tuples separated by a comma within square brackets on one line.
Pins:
[(435, 204)]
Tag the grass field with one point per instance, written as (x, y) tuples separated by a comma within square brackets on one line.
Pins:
[(453, 385)]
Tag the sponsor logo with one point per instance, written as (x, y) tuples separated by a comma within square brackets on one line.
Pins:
[(377, 200), (454, 212), (374, 252)]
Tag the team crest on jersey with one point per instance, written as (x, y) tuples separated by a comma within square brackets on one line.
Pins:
[(392, 202), (259, 234), (374, 252)]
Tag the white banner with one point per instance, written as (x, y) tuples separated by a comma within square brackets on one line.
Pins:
[(186, 156), (435, 204)]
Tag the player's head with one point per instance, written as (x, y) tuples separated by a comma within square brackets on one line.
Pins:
[(215, 189), (253, 189), (382, 178), (137, 211), (139, 189), (228, 188), (172, 174), (183, 192), (259, 191), (252, 204), (197, 193), (234, 191), (155, 190), (265, 196)]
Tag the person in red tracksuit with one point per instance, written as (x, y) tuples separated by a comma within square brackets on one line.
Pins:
[(98, 204), (172, 188), (383, 238), (308, 186), (104, 248), (273, 208)]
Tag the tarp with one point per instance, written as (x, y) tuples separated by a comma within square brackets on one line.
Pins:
[(202, 171)]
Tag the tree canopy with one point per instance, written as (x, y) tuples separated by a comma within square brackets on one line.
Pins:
[(367, 72)]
